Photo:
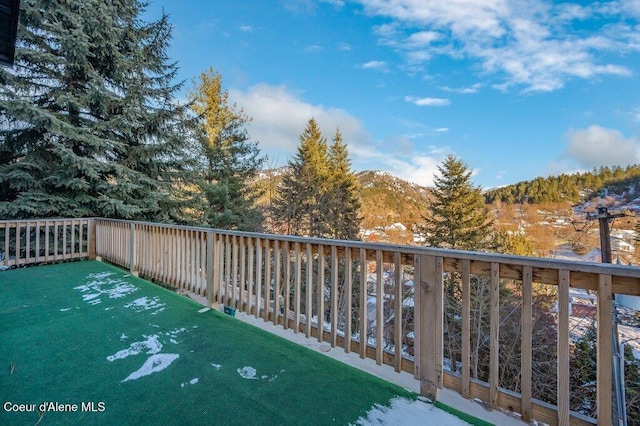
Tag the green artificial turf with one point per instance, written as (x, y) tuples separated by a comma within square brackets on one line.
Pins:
[(72, 333)]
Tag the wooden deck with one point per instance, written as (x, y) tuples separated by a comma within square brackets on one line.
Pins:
[(324, 289)]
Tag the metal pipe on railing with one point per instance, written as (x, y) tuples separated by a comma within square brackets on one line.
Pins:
[(619, 396)]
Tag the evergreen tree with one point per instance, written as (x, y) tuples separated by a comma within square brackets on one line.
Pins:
[(88, 122), (343, 197), (319, 195), (298, 204), (517, 244), (229, 159), (457, 217)]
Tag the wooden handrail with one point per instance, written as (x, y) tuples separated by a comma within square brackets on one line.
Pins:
[(26, 242)]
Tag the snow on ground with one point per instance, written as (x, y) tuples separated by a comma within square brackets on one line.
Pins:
[(101, 284), (630, 336), (190, 382), (251, 374), (413, 414), (247, 373), (401, 411), (151, 345), (145, 304), (153, 364), (409, 413), (592, 255)]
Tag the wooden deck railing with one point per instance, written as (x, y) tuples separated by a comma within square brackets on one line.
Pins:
[(382, 301), (24, 242)]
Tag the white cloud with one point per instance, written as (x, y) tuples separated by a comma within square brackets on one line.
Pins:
[(386, 30), (422, 39), (415, 167), (312, 48), (279, 116), (532, 44), (374, 65), (337, 3), (246, 28), (464, 90), (299, 6), (631, 7), (597, 146), (427, 101)]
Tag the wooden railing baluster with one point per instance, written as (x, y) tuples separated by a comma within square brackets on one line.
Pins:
[(296, 288), (308, 311), (321, 292), (348, 284), (334, 296)]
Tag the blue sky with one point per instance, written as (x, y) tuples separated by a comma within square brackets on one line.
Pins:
[(515, 89)]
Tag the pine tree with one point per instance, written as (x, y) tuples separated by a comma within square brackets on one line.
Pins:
[(457, 217), (230, 160), (88, 121), (319, 195), (343, 196), (298, 204)]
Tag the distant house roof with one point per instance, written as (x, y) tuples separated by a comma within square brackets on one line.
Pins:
[(397, 226), (8, 30)]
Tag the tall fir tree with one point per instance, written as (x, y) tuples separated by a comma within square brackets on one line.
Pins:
[(298, 203), (457, 217), (343, 195), (89, 125), (230, 161)]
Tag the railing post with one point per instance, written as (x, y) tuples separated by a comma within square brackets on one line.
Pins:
[(210, 269), (430, 318), (132, 250), (91, 239)]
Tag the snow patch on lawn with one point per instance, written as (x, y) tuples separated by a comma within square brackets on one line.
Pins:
[(100, 284), (409, 413), (247, 373), (250, 373), (153, 364), (144, 304), (152, 346), (191, 382)]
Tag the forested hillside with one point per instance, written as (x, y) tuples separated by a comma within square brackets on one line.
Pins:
[(387, 199), (568, 187)]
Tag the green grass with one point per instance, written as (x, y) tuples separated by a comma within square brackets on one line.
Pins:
[(55, 348)]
